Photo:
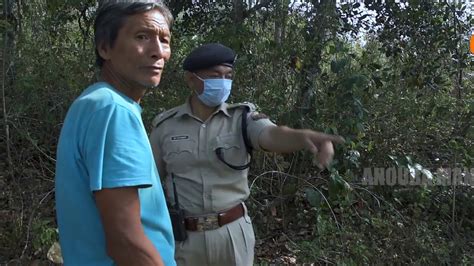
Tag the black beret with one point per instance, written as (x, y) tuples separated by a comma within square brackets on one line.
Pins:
[(209, 55)]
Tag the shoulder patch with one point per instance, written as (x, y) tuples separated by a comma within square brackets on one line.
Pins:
[(248, 105), (163, 116), (257, 116)]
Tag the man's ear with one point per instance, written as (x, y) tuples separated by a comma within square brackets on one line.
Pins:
[(104, 51), (192, 81), (188, 77)]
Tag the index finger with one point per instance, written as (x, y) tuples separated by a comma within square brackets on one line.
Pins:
[(334, 138)]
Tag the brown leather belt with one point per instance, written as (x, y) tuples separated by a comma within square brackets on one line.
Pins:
[(212, 222)]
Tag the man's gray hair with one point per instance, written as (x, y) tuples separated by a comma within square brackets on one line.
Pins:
[(112, 14)]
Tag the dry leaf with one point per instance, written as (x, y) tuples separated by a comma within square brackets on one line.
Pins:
[(54, 254)]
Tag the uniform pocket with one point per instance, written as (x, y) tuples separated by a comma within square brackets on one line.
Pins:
[(249, 241), (246, 214), (228, 141), (175, 149), (178, 154), (231, 148), (247, 232)]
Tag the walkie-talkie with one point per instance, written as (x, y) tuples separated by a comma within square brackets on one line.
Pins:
[(177, 216)]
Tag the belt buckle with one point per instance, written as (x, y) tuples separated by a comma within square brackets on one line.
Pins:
[(207, 223)]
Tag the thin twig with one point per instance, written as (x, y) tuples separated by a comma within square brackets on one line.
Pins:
[(4, 102), (383, 200), (368, 191), (307, 182), (30, 221), (298, 246), (28, 137), (454, 181)]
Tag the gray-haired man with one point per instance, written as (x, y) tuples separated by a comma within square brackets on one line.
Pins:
[(110, 205)]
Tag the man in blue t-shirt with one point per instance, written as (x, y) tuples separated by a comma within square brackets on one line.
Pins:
[(110, 205)]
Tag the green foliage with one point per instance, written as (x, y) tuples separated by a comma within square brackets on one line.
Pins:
[(403, 96), (44, 235)]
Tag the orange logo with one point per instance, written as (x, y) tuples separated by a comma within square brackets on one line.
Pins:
[(471, 44)]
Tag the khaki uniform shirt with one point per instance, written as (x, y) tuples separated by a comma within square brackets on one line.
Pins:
[(185, 146)]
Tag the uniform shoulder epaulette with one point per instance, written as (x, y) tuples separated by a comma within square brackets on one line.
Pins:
[(247, 108), (163, 117), (251, 107)]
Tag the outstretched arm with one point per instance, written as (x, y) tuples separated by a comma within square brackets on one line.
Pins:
[(283, 139)]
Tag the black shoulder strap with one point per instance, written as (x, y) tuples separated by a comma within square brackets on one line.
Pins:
[(220, 156), (248, 145)]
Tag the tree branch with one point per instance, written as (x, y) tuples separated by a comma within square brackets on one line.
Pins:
[(264, 3)]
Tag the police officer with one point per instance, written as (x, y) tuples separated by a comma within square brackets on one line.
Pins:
[(203, 148)]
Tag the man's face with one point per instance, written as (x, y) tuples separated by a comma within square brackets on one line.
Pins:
[(140, 50)]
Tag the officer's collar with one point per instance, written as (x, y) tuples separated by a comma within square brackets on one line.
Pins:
[(223, 108), (185, 109)]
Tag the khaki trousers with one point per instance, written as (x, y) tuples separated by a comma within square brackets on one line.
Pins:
[(231, 244)]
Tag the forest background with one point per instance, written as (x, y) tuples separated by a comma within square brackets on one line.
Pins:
[(394, 78)]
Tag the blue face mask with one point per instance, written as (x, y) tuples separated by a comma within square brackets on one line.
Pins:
[(216, 91)]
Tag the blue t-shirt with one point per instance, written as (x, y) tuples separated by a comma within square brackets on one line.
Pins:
[(103, 144)]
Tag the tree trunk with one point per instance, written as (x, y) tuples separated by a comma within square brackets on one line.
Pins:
[(320, 28), (238, 11), (281, 13), (7, 41)]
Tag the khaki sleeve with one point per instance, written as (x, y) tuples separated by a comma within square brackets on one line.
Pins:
[(256, 123), (156, 147)]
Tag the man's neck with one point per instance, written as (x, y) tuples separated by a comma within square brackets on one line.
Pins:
[(199, 109), (132, 91)]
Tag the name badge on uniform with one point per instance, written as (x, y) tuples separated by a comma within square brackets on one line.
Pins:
[(176, 138)]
